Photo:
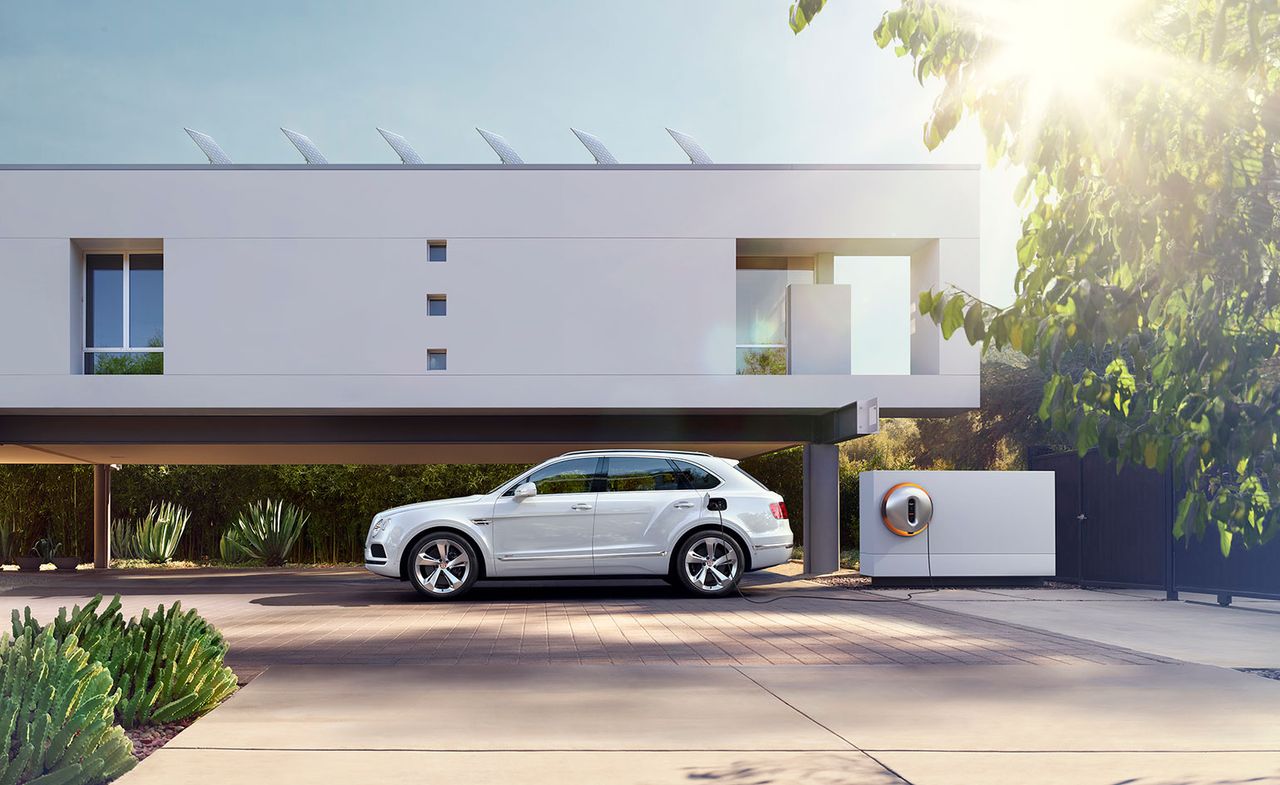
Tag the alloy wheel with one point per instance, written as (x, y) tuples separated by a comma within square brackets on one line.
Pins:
[(711, 564), (442, 566)]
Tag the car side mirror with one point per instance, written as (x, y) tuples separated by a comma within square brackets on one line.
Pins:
[(525, 490)]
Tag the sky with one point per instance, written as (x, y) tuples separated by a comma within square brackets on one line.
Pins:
[(92, 81)]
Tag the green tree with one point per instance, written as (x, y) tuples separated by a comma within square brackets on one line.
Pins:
[(1147, 282)]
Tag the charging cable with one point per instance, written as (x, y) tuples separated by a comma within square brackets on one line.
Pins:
[(719, 504)]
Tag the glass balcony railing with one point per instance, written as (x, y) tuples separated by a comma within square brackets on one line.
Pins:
[(762, 359)]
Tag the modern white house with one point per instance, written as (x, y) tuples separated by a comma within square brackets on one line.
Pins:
[(450, 313)]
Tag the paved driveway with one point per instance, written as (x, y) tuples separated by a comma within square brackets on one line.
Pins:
[(346, 616), (581, 683)]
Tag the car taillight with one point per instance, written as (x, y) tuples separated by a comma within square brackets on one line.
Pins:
[(779, 509)]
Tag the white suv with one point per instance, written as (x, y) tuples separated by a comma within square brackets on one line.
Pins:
[(694, 519)]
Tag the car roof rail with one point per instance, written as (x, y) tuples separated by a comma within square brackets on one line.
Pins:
[(624, 449)]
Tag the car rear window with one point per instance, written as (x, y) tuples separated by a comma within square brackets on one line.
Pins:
[(695, 477)]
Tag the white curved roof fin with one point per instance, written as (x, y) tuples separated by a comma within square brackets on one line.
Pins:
[(210, 148), (309, 151), (505, 151), (402, 147), (691, 147), (595, 147)]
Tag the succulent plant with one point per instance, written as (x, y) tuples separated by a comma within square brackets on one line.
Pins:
[(46, 548), (266, 531), (56, 713), (154, 537), (167, 665)]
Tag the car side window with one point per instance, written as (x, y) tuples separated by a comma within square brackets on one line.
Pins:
[(641, 474), (576, 475), (695, 477)]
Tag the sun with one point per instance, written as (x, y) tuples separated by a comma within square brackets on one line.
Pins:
[(1064, 55)]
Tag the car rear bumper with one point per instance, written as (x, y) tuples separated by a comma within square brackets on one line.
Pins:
[(763, 556)]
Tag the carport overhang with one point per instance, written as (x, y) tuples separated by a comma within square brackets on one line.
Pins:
[(402, 438)]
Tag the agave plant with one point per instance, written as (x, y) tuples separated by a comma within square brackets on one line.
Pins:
[(266, 531), (153, 537), (47, 548)]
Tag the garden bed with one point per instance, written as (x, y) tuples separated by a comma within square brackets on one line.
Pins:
[(107, 692)]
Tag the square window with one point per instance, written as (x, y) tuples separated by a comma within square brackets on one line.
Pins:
[(436, 252), (436, 305), (435, 359)]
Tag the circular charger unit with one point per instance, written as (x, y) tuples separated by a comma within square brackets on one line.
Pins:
[(906, 509)]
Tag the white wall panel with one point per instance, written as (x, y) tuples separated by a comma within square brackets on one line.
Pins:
[(984, 524)]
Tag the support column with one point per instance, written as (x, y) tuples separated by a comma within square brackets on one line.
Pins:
[(101, 516), (821, 508)]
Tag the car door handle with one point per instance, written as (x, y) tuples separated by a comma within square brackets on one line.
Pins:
[(580, 507), (683, 505)]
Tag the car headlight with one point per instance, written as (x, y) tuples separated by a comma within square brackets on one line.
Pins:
[(378, 525)]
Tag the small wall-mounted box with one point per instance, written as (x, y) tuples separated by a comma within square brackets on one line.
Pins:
[(983, 524)]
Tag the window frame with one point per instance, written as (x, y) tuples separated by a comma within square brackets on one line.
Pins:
[(443, 245), (85, 349), (438, 353), (437, 298)]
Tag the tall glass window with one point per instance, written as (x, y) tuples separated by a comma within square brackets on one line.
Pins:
[(881, 313), (124, 313), (762, 310)]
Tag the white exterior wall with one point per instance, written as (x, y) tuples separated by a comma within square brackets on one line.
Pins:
[(984, 524), (515, 306), (591, 288)]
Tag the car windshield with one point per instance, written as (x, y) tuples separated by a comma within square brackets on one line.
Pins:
[(498, 487)]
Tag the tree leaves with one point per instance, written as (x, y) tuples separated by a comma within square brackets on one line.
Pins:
[(952, 316), (803, 12), (1148, 283)]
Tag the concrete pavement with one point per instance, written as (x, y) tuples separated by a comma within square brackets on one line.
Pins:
[(580, 724), (1193, 629)]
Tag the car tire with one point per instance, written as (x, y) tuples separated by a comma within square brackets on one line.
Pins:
[(442, 566), (700, 562)]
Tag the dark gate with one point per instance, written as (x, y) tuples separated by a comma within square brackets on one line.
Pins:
[(1116, 529)]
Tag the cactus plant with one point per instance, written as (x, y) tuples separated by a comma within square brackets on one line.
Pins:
[(56, 709), (168, 665)]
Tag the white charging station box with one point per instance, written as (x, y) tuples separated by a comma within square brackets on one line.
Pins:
[(985, 524)]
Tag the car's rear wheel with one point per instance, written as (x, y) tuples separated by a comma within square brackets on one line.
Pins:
[(442, 566), (709, 563)]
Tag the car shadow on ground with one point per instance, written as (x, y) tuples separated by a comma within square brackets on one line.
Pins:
[(488, 592), (346, 587)]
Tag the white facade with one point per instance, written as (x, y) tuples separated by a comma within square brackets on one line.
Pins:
[(984, 524), (581, 291)]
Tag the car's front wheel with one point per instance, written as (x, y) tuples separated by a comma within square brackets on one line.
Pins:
[(442, 566), (709, 563)]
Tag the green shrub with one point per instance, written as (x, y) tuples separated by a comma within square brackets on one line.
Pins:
[(10, 533), (266, 531), (154, 537), (168, 665), (56, 707)]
